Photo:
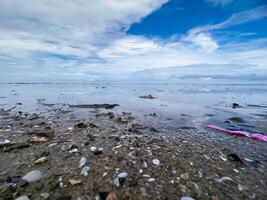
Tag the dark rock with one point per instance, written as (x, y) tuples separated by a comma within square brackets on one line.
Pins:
[(236, 105), (235, 158), (80, 125), (236, 119), (152, 129), (64, 198), (105, 106), (147, 97)]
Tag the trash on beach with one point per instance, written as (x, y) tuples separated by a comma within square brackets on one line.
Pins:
[(241, 133)]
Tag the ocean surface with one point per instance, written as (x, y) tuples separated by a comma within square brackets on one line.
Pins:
[(179, 105)]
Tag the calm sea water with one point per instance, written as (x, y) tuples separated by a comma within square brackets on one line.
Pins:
[(185, 104)]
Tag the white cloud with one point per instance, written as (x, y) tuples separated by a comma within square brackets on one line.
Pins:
[(236, 19), (86, 39)]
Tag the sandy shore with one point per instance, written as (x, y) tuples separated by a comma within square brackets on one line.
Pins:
[(119, 155)]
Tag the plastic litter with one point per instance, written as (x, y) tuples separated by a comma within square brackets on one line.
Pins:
[(256, 136)]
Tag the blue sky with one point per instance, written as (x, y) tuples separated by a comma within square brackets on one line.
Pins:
[(88, 40)]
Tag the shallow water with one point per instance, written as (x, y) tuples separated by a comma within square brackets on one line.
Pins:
[(180, 105)]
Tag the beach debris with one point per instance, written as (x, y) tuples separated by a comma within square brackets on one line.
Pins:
[(147, 97), (236, 119), (38, 139), (111, 196), (80, 125), (23, 198), (40, 160), (257, 136), (93, 148), (83, 162), (234, 157), (151, 179), (224, 179), (156, 162), (98, 151), (84, 167), (33, 176), (235, 105), (184, 176), (75, 181), (5, 142), (152, 129), (85, 170), (105, 106), (145, 165), (120, 179), (187, 198), (106, 196), (143, 192), (45, 195), (60, 182)]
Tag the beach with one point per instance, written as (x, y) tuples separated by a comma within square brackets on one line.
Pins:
[(132, 141)]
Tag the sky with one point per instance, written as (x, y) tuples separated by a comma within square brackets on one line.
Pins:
[(109, 40)]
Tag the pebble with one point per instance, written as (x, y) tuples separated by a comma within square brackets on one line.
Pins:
[(225, 178), (184, 176), (40, 160), (93, 149), (22, 198), (32, 176), (156, 162), (74, 151), (5, 141), (120, 179), (85, 170), (45, 195), (187, 198), (60, 182), (75, 181), (151, 180), (83, 162), (143, 192)]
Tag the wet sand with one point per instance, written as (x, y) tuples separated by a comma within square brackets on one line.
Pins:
[(154, 158)]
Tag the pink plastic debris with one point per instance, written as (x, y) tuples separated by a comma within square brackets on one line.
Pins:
[(241, 133)]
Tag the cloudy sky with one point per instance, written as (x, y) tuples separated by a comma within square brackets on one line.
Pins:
[(87, 40)]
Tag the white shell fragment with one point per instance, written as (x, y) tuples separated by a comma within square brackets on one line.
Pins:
[(33, 176)]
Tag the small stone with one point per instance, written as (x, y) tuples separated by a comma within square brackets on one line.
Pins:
[(38, 139), (74, 151), (111, 196), (33, 176), (184, 176), (83, 162), (45, 195), (223, 179), (93, 149), (156, 162), (120, 179), (85, 170), (143, 192), (187, 198), (40, 160), (23, 198), (75, 181), (151, 180)]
